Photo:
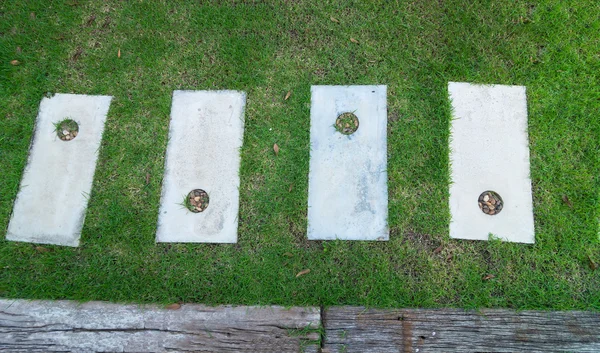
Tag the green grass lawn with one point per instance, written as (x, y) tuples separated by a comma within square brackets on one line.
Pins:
[(268, 49)]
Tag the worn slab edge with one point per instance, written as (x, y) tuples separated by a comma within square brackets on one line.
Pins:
[(59, 326), (205, 137), (483, 115), (357, 329), (60, 173)]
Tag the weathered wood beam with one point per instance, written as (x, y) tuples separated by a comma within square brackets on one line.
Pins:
[(356, 329), (65, 326)]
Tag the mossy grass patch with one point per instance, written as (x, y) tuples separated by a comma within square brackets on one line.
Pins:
[(414, 47), (346, 123)]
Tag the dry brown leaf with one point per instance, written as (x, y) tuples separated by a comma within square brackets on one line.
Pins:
[(41, 249), (147, 178), (288, 254), (566, 200), (303, 272), (15, 62), (19, 51), (119, 53), (449, 257), (106, 22), (90, 20), (334, 19), (287, 95), (488, 277), (438, 250), (276, 149), (32, 15), (290, 189), (353, 40), (174, 306), (77, 54), (593, 265)]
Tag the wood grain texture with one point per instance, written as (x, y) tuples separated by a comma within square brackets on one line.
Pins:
[(65, 326), (356, 329)]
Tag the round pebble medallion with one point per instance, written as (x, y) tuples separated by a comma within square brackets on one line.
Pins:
[(67, 129), (490, 203), (346, 123), (197, 200)]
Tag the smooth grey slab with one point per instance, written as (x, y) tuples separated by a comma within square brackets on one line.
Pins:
[(53, 195), (66, 326), (347, 191), (205, 137), (489, 150)]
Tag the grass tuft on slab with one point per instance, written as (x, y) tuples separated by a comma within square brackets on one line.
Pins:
[(140, 52)]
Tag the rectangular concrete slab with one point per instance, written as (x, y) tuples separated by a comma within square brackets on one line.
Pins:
[(53, 196), (489, 151), (205, 137), (347, 191)]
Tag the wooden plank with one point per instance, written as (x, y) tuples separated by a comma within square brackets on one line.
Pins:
[(356, 329), (66, 326)]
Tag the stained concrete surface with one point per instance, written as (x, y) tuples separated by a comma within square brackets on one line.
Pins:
[(51, 203), (489, 150), (203, 152), (347, 196)]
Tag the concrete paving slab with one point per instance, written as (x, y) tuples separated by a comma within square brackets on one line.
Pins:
[(489, 151), (52, 200), (205, 137), (347, 191)]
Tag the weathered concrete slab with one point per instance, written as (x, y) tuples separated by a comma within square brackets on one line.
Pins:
[(347, 192), (52, 200), (205, 136), (65, 326), (489, 150), (358, 329)]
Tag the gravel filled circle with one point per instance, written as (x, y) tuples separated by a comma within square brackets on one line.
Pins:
[(490, 203), (197, 200), (346, 123), (67, 129)]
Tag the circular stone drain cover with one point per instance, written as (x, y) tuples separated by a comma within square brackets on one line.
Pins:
[(67, 129), (490, 203), (346, 123), (197, 200)]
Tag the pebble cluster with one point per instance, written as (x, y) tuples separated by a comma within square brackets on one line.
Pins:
[(197, 200), (68, 135), (67, 130), (490, 203)]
